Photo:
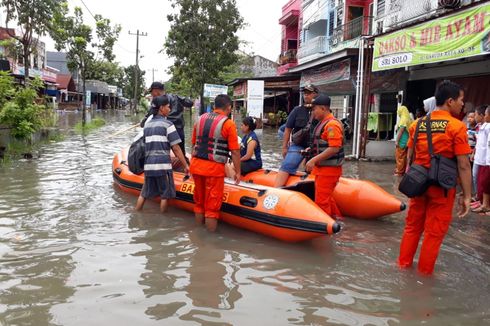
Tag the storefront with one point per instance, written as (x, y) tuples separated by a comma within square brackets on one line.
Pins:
[(337, 80), (281, 93), (455, 46)]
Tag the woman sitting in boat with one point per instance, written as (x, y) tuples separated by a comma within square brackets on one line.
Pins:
[(250, 147)]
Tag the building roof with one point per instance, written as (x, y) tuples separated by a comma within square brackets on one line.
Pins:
[(4, 33), (266, 79), (65, 81)]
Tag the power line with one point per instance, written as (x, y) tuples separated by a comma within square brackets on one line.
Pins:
[(86, 7)]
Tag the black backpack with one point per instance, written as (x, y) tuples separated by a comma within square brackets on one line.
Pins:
[(136, 156)]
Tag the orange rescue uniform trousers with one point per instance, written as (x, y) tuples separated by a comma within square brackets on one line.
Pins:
[(431, 215), (324, 187), (208, 195)]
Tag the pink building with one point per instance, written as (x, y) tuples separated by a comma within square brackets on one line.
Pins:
[(290, 36)]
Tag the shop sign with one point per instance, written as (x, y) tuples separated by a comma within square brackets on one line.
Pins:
[(240, 89), (329, 74), (461, 35), (49, 76), (211, 90), (255, 98), (282, 84), (88, 98)]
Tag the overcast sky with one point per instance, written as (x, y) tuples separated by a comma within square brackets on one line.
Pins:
[(263, 32)]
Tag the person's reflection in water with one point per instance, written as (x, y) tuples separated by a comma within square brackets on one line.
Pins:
[(417, 304), (185, 263), (212, 279)]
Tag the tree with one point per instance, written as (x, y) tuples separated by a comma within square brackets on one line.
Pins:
[(128, 82), (202, 40), (242, 68), (70, 33), (109, 72), (33, 19)]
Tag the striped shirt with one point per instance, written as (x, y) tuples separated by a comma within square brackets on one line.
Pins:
[(160, 135)]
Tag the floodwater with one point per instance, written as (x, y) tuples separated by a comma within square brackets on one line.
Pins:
[(73, 252)]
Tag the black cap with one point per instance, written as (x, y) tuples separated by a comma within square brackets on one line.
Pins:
[(309, 88), (321, 99), (157, 85), (157, 102)]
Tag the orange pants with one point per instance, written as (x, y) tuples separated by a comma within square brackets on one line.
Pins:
[(431, 215), (401, 160), (208, 195), (324, 187)]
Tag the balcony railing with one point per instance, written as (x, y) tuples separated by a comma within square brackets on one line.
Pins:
[(357, 27), (318, 44), (288, 56)]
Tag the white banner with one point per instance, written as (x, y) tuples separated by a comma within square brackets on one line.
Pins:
[(88, 98), (255, 98), (211, 90)]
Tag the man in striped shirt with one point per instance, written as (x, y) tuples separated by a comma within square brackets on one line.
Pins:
[(160, 136)]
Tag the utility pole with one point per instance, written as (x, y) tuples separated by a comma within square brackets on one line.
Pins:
[(153, 74), (138, 34)]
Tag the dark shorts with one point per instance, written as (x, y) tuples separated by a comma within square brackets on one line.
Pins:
[(249, 166), (162, 186)]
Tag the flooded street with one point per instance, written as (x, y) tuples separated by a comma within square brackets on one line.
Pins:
[(73, 252)]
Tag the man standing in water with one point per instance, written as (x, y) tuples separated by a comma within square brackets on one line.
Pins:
[(431, 213), (160, 137), (176, 115), (213, 138), (299, 123), (327, 155)]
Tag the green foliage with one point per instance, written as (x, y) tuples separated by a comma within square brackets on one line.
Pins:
[(7, 88), (202, 40), (107, 36), (21, 112), (12, 48), (49, 117), (71, 34), (92, 125), (242, 68), (144, 104), (277, 118), (128, 82), (109, 72), (34, 19)]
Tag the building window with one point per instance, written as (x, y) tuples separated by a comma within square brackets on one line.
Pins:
[(331, 22), (381, 8)]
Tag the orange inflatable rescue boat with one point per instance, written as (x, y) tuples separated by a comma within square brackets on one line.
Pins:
[(355, 198), (286, 215)]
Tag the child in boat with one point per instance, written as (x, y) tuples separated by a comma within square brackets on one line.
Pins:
[(250, 147), (160, 136)]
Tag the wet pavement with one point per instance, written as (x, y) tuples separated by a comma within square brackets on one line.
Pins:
[(73, 252)]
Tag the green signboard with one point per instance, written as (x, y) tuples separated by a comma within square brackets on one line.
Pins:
[(461, 35)]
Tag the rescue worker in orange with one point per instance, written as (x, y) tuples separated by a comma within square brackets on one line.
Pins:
[(431, 213), (213, 138), (327, 155)]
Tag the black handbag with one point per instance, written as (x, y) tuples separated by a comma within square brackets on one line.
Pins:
[(443, 171), (416, 181)]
